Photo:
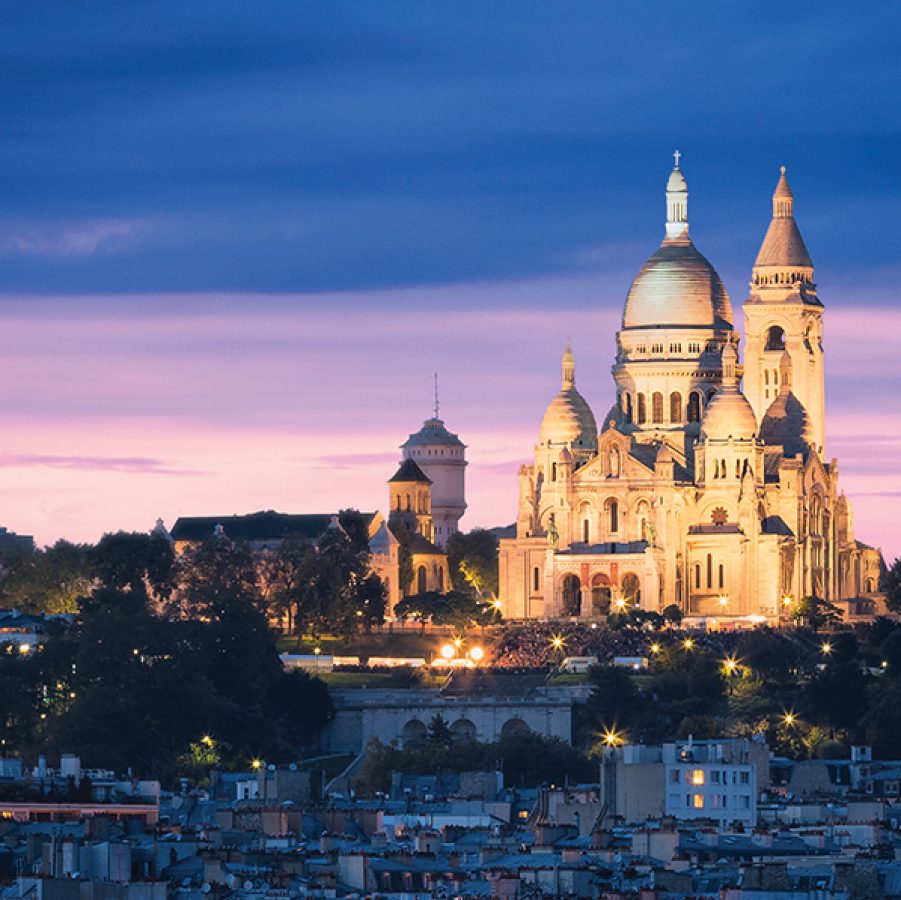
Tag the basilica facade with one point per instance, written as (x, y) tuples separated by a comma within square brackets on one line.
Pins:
[(707, 483)]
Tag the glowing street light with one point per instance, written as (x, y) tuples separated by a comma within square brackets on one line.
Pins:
[(206, 740), (476, 654), (557, 642), (724, 601), (789, 718), (731, 665), (458, 643), (256, 764), (497, 604), (620, 603), (24, 649), (611, 738), (688, 644), (786, 601), (655, 648), (826, 648), (447, 651)]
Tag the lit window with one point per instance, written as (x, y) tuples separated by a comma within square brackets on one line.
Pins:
[(697, 776), (698, 801)]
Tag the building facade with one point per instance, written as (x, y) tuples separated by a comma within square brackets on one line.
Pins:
[(694, 490)]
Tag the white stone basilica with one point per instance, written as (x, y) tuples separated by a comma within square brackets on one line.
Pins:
[(696, 491)]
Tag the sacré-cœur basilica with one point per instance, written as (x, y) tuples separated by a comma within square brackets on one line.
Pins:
[(706, 484)]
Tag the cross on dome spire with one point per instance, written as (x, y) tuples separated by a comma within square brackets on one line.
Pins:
[(676, 157), (436, 395), (569, 367)]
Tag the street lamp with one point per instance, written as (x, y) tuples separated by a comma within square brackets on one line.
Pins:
[(655, 648), (688, 644), (826, 648), (557, 642), (476, 654), (730, 664), (611, 738), (789, 718), (447, 651)]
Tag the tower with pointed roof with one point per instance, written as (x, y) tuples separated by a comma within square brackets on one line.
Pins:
[(783, 314)]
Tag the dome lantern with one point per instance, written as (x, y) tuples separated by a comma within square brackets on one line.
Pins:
[(676, 202)]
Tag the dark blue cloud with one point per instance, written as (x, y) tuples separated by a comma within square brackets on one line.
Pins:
[(317, 146)]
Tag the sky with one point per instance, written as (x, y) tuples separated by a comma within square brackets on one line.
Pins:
[(237, 239)]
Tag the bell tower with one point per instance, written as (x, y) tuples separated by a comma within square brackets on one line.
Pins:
[(784, 315)]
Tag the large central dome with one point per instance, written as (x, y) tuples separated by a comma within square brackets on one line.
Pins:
[(677, 287)]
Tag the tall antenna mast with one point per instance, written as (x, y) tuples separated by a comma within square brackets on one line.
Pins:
[(436, 395)]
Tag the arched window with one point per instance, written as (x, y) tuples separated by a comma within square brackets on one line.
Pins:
[(440, 580), (631, 589), (536, 579), (657, 408), (675, 407), (612, 516), (698, 575), (627, 407), (421, 580), (586, 531), (553, 471), (642, 409), (572, 595), (709, 571), (694, 406), (614, 461), (775, 338), (721, 579), (738, 468), (407, 502)]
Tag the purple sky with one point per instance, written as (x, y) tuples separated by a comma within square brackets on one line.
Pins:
[(236, 240)]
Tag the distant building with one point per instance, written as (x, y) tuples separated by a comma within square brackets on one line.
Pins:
[(14, 546), (710, 780)]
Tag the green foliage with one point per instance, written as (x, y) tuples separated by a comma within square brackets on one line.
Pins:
[(49, 581), (473, 562), (673, 614), (890, 585), (134, 561), (835, 696), (816, 613), (453, 608)]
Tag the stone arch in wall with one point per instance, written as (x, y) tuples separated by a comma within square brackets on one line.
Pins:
[(600, 595), (414, 733), (463, 730), (513, 727), (630, 588), (572, 595)]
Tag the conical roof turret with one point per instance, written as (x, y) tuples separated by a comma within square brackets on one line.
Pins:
[(783, 245)]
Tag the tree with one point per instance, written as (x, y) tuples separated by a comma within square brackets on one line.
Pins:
[(473, 562), (614, 699), (673, 615), (816, 613), (890, 585), (134, 561), (49, 581), (836, 695), (768, 654), (453, 608)]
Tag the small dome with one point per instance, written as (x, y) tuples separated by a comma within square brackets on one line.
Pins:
[(677, 286), (569, 420), (433, 434), (786, 424), (729, 415)]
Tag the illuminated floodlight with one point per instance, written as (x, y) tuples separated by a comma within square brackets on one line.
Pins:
[(458, 642), (611, 738), (476, 654), (24, 649), (724, 601), (557, 642), (786, 600), (447, 651)]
